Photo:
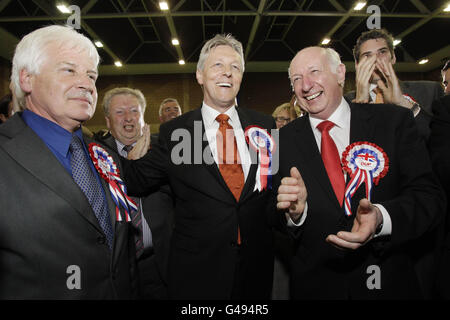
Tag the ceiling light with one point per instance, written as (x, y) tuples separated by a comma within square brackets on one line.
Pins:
[(181, 62), (175, 42), (63, 8), (163, 5), (118, 64), (447, 9), (326, 41), (396, 42), (359, 6), (423, 61), (98, 44)]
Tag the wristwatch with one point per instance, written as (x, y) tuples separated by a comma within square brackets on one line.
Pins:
[(415, 109)]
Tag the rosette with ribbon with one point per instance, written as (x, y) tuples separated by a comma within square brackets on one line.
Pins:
[(262, 142), (365, 162), (108, 170)]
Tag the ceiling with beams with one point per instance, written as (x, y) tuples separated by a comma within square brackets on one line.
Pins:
[(139, 33)]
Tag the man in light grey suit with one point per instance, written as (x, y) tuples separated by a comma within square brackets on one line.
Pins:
[(60, 235)]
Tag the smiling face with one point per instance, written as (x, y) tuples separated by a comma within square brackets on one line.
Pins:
[(221, 77), (316, 87), (125, 119), (64, 89), (379, 48)]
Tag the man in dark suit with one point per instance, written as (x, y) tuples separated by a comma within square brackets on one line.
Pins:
[(222, 241), (440, 153), (60, 238), (362, 251), (124, 110), (377, 82)]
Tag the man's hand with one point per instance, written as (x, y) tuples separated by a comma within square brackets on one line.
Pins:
[(292, 194), (392, 93), (368, 218), (364, 69), (142, 145)]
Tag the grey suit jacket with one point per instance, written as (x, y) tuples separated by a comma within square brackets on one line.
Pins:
[(51, 244)]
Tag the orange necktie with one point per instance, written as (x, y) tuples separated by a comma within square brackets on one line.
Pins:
[(229, 166), (379, 97), (331, 160)]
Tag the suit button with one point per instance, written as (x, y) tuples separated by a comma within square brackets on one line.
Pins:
[(101, 240)]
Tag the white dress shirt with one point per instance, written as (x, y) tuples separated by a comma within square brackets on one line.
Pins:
[(209, 116), (340, 134)]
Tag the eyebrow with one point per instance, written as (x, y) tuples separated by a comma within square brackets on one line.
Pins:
[(73, 65)]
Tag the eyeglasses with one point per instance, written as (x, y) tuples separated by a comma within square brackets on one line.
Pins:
[(282, 119)]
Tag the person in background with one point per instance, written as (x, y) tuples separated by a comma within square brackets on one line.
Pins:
[(169, 109)]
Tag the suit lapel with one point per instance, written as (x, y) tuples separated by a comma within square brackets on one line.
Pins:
[(43, 165), (196, 130), (361, 126)]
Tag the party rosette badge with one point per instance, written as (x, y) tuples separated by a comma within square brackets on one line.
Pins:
[(262, 142), (365, 162), (107, 168)]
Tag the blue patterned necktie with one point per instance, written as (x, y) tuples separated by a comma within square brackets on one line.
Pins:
[(85, 179)]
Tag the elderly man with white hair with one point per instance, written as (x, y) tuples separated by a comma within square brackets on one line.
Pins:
[(357, 191), (64, 235)]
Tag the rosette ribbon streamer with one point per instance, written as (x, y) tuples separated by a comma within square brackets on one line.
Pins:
[(108, 170), (366, 163), (262, 142)]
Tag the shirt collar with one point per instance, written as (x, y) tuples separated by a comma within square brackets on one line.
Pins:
[(51, 133), (210, 114), (340, 116)]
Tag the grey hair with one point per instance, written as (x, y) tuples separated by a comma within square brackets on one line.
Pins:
[(123, 91), (168, 100), (220, 40), (31, 53)]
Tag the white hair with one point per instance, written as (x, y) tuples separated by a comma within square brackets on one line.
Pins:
[(220, 40), (31, 52), (168, 100), (334, 60)]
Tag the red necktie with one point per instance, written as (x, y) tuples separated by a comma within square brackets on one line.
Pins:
[(229, 166), (331, 160), (379, 97)]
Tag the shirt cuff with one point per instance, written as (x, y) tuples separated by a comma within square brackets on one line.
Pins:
[(291, 223), (386, 230)]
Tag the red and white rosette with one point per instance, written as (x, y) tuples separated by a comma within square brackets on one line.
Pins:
[(365, 162), (108, 170), (262, 142)]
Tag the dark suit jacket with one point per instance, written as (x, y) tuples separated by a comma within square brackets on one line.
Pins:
[(409, 193), (440, 153), (205, 262), (424, 92), (158, 211), (48, 226)]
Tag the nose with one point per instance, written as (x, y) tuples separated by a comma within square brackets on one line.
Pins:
[(227, 71), (86, 83), (307, 84)]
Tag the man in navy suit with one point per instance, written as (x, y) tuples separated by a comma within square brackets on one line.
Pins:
[(362, 251), (222, 239)]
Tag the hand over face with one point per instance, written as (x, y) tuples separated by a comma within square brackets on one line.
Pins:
[(364, 70), (142, 145)]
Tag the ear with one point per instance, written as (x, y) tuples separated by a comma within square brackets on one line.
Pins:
[(2, 118), (341, 73), (394, 59), (199, 76), (26, 81), (107, 122)]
